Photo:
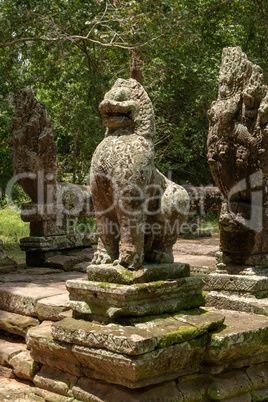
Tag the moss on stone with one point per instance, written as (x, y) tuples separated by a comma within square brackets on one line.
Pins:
[(181, 335)]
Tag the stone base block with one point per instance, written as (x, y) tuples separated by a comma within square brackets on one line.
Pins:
[(255, 285), (61, 242), (24, 366), (231, 301), (105, 302), (149, 273)]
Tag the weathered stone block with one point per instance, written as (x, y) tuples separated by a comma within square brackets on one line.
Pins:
[(22, 299), (194, 387), (55, 380), (128, 340), (258, 375), (50, 308), (147, 369), (245, 335), (102, 301), (6, 372), (68, 241), (65, 262), (16, 323), (93, 390), (202, 319), (228, 385), (24, 366), (9, 349), (47, 351), (149, 273), (231, 301), (239, 283)]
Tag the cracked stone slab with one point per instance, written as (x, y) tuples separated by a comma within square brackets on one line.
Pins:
[(70, 241), (229, 385), (16, 323), (128, 340), (244, 335), (22, 298)]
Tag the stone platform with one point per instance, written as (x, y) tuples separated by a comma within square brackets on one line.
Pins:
[(113, 291), (201, 354)]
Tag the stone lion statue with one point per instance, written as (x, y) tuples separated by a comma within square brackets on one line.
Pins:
[(139, 211)]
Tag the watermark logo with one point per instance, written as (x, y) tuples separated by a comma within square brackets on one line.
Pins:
[(65, 203)]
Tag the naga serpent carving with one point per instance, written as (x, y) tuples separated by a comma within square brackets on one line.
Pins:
[(134, 203), (238, 156)]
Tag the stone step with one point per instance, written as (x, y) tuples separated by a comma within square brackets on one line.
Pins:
[(17, 359), (16, 323), (241, 342), (50, 352), (252, 284), (231, 301), (22, 298), (9, 349), (12, 390), (143, 336)]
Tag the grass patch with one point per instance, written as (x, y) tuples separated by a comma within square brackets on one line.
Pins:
[(12, 229)]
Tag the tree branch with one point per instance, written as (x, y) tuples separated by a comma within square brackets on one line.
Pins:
[(113, 43)]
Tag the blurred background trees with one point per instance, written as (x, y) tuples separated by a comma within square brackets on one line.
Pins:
[(70, 52)]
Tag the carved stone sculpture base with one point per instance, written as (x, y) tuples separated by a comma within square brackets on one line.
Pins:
[(183, 356), (113, 291), (239, 287)]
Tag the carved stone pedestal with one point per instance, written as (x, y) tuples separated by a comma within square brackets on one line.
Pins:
[(239, 287), (114, 291)]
